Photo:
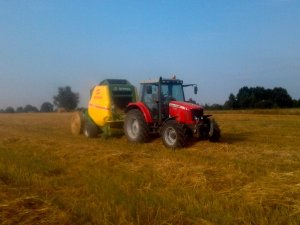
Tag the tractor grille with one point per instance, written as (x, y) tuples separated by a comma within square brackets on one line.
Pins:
[(197, 113)]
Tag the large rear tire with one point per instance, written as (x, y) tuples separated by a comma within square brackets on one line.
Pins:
[(174, 135), (77, 123), (135, 127)]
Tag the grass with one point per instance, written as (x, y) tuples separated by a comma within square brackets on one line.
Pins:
[(48, 176)]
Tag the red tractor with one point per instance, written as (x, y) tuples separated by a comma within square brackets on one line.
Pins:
[(162, 109)]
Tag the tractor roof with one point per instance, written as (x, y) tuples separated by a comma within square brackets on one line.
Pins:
[(164, 81)]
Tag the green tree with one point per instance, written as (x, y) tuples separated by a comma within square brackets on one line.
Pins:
[(9, 109), (296, 103), (66, 98), (232, 102), (281, 98), (259, 97), (264, 104), (46, 107), (244, 97), (20, 109), (30, 108)]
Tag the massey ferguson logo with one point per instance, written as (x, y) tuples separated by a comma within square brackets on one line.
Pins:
[(178, 106)]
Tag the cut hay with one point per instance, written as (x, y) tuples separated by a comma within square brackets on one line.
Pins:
[(31, 210), (274, 190), (77, 123)]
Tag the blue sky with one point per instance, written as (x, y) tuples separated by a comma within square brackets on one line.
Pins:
[(220, 45)]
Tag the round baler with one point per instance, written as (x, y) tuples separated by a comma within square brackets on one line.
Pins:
[(105, 112)]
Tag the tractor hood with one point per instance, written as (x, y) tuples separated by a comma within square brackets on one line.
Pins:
[(185, 112), (184, 105)]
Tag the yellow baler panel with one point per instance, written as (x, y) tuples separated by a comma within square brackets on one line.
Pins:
[(100, 105)]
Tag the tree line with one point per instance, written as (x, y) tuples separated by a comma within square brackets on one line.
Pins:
[(258, 98), (246, 98), (66, 99)]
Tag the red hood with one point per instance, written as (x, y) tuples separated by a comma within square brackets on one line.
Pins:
[(184, 105)]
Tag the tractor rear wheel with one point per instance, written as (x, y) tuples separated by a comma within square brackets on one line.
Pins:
[(90, 129), (77, 123), (135, 127), (174, 135), (214, 131)]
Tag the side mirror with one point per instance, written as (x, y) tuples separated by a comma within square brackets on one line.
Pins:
[(149, 89), (195, 90)]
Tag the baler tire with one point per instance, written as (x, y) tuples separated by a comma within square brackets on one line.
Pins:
[(136, 128), (174, 135), (90, 129), (77, 123)]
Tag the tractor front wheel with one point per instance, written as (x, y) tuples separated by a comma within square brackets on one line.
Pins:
[(135, 127), (173, 134)]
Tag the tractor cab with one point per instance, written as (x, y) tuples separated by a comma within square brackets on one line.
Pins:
[(157, 95)]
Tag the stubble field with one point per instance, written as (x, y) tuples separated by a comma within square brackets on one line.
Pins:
[(48, 176)]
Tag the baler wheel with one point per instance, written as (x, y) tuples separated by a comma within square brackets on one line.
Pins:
[(90, 129)]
